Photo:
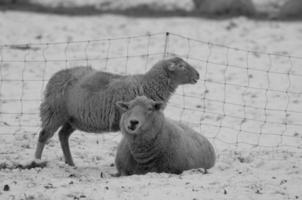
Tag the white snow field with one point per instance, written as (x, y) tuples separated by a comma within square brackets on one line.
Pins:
[(247, 102)]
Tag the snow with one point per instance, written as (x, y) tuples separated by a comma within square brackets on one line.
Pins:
[(241, 172)]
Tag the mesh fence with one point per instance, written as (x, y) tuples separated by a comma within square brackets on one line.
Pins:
[(244, 98)]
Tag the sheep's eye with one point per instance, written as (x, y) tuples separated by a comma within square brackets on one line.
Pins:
[(150, 109), (182, 67)]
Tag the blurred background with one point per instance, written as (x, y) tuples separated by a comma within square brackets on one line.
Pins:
[(257, 8), (268, 9)]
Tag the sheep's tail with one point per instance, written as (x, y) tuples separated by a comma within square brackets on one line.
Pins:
[(51, 119)]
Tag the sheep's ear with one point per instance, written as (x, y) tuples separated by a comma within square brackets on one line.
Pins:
[(158, 105), (171, 66), (123, 106)]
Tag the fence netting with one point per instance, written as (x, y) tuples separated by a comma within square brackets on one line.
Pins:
[(244, 97)]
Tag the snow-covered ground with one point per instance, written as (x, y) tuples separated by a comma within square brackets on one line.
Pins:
[(256, 129)]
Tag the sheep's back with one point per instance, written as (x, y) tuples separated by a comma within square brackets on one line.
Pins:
[(192, 150), (91, 102), (59, 84)]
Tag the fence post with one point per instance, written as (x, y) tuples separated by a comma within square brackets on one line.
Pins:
[(166, 44)]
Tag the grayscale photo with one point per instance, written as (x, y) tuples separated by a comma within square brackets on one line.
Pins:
[(150, 99)]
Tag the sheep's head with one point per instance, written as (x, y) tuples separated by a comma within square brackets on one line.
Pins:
[(140, 115), (180, 72)]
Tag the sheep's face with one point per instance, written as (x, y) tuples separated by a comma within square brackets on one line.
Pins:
[(140, 115), (181, 72)]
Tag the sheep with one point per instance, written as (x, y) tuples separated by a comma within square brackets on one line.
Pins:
[(153, 143), (83, 98)]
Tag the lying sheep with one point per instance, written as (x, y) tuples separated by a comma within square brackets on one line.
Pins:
[(84, 99), (153, 143)]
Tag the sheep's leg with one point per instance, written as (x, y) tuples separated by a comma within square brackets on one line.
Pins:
[(64, 134), (44, 135)]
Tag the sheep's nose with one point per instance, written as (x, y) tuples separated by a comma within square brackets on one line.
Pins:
[(197, 75), (133, 124)]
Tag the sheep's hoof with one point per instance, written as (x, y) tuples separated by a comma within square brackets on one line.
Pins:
[(205, 171), (33, 164), (70, 164)]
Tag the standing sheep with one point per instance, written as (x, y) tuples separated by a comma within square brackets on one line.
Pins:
[(153, 143), (84, 99)]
